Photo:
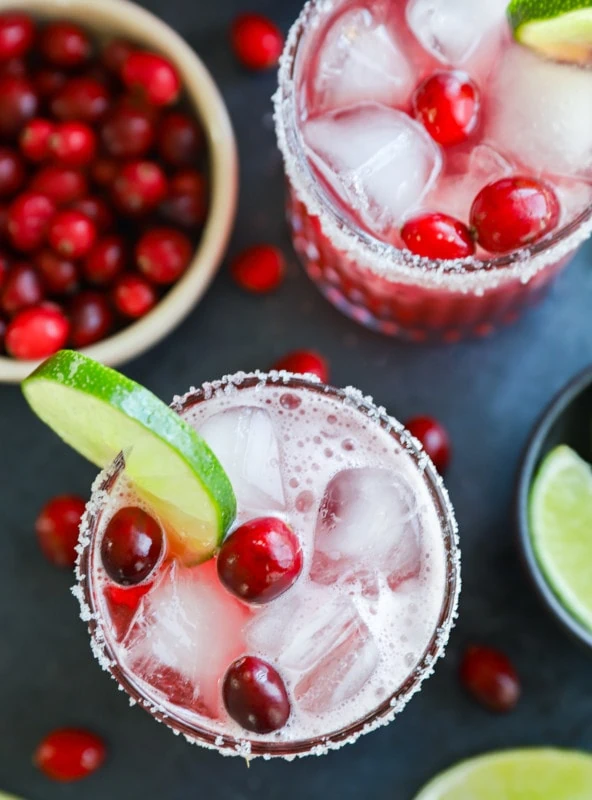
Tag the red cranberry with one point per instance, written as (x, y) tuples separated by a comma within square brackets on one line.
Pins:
[(65, 45), (80, 100), (12, 172), (22, 288), (73, 144), (434, 439), (448, 105), (91, 319), (48, 81), (186, 203), (17, 32), (180, 139), (4, 264), (34, 139), (37, 332), (57, 529), (132, 545), (3, 326), (139, 187), (257, 42), (4, 221), (105, 261), (154, 75), (128, 132), (259, 269), (104, 172), (69, 754), (255, 695), (513, 212), (60, 276), (437, 236), (29, 217), (116, 53), (96, 209), (491, 678), (72, 234), (163, 254), (15, 68), (18, 105), (134, 296), (61, 184), (303, 362)]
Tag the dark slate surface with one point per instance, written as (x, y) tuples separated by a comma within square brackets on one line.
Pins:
[(487, 393)]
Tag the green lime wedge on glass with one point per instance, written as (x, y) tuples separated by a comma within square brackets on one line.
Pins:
[(100, 413), (4, 796), (558, 29), (561, 529), (535, 774)]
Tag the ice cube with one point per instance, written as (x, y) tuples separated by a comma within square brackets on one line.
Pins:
[(540, 112), (377, 159), (245, 442), (368, 525), (574, 196), (361, 59)]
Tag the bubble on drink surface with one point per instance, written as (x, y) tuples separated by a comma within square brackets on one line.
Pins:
[(290, 401), (378, 160)]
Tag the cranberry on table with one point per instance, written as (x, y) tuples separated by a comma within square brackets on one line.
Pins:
[(69, 754), (304, 362), (134, 296), (434, 439), (116, 53), (259, 269), (154, 75), (48, 80), (163, 255), (57, 529), (437, 236), (59, 275), (17, 32), (91, 318), (132, 545), (180, 139), (15, 68), (65, 44), (21, 288), (80, 100), (73, 144), (489, 676), (34, 139), (128, 132), (12, 172), (62, 185), (72, 234), (37, 332), (448, 105), (514, 212), (29, 217), (186, 203), (19, 103), (139, 187), (255, 695), (106, 260), (96, 209), (257, 42)]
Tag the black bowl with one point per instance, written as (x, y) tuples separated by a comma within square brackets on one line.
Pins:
[(567, 420)]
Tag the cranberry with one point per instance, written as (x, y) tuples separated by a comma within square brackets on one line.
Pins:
[(15, 68), (491, 678), (73, 144), (134, 296), (37, 332), (4, 264), (163, 254), (104, 172), (259, 269), (186, 203), (437, 236), (22, 288), (17, 32), (91, 318), (80, 100), (116, 53), (12, 172), (128, 132), (154, 75), (434, 439), (60, 276), (65, 45), (257, 42), (48, 81), (180, 139), (72, 234), (513, 212), (132, 545), (304, 362), (3, 326), (57, 529), (139, 187), (96, 209), (18, 104), (255, 695), (61, 184), (448, 105), (29, 217), (69, 754), (105, 261), (4, 221), (34, 139)]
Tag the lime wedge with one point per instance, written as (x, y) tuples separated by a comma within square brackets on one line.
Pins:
[(559, 29), (4, 796), (535, 774), (100, 413), (561, 528)]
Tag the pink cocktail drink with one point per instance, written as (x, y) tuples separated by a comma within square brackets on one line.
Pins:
[(362, 619), (393, 110)]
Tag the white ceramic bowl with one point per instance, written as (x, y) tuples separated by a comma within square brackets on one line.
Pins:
[(110, 18)]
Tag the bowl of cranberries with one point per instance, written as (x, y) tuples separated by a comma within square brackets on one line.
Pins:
[(118, 181)]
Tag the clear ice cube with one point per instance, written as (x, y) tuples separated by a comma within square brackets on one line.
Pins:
[(245, 442), (377, 159)]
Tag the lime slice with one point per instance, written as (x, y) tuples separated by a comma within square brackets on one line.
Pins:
[(535, 774), (100, 413), (4, 796), (561, 528), (559, 29)]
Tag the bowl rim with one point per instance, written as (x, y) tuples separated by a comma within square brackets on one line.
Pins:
[(203, 94), (526, 472)]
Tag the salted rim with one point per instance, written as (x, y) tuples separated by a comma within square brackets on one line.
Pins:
[(465, 275), (249, 748)]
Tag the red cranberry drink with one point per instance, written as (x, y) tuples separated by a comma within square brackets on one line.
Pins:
[(303, 599), (439, 169)]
